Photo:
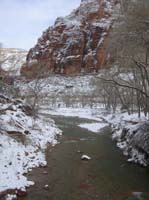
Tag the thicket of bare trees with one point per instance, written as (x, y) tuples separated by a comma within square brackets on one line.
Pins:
[(127, 82), (35, 89)]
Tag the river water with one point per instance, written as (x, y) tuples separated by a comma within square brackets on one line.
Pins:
[(107, 176)]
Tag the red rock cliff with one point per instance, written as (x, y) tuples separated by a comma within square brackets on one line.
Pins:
[(76, 43)]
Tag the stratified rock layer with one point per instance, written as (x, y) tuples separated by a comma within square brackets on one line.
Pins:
[(76, 43)]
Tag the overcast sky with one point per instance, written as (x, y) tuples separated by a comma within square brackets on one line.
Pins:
[(23, 21)]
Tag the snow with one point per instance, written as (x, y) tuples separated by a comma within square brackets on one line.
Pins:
[(124, 129), (24, 148), (75, 112), (69, 21), (85, 157), (14, 163), (138, 195), (12, 60), (57, 93), (103, 23), (46, 187), (11, 197), (94, 127), (57, 84)]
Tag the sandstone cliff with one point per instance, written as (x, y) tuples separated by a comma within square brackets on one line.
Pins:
[(76, 43)]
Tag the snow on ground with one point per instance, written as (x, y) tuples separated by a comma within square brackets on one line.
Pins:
[(124, 117), (94, 127), (85, 113), (22, 144), (58, 84)]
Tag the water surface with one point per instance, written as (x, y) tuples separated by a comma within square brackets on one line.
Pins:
[(107, 176)]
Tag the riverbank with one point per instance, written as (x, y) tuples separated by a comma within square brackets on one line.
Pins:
[(23, 140), (86, 121), (130, 132), (132, 136), (106, 176)]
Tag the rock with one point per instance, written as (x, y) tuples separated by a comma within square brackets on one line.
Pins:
[(85, 157), (46, 187), (84, 186), (14, 133), (45, 172), (19, 136), (43, 164), (75, 44), (134, 142), (79, 151), (26, 132), (21, 193), (11, 197), (27, 109), (69, 86), (12, 60)]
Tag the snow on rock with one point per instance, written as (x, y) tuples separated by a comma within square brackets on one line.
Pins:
[(22, 144), (73, 37), (132, 136), (12, 60), (94, 127), (46, 187), (11, 197), (85, 157), (138, 195)]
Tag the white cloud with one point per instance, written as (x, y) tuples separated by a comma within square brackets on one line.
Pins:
[(22, 22)]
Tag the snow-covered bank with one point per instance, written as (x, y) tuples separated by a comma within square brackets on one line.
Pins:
[(23, 141), (85, 113), (93, 127), (132, 136), (130, 132)]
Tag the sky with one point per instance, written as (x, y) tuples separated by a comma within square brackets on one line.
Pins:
[(23, 21)]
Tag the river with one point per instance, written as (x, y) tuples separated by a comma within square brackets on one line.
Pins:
[(107, 176)]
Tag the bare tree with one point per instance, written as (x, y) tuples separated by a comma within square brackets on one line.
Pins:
[(36, 91), (130, 50)]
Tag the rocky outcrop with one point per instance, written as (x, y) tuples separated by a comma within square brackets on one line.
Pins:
[(76, 43), (138, 143), (11, 61), (133, 140)]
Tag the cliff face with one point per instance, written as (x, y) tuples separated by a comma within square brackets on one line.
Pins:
[(76, 43)]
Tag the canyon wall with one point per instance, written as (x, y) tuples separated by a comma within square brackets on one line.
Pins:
[(74, 44)]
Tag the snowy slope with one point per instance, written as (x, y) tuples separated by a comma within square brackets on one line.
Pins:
[(23, 140), (12, 60)]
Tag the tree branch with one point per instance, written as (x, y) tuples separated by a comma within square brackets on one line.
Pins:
[(125, 86)]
